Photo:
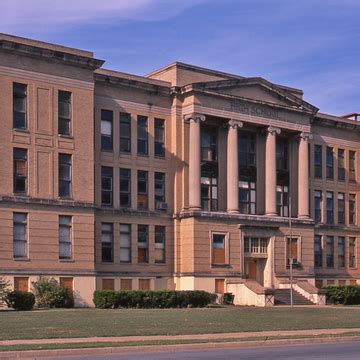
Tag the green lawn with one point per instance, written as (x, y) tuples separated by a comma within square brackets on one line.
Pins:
[(95, 322)]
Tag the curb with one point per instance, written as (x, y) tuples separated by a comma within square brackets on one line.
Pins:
[(36, 354)]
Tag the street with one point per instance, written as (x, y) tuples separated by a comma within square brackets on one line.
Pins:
[(343, 351)]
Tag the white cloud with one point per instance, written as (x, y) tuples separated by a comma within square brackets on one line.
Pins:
[(20, 15)]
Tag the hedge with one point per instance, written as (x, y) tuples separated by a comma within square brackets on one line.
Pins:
[(20, 300), (106, 299), (345, 295)]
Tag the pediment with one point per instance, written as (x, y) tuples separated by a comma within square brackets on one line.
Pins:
[(256, 89)]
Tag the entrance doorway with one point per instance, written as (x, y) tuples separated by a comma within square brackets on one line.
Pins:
[(254, 269)]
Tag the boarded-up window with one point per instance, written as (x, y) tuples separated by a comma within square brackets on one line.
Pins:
[(218, 249), (319, 284), (353, 282), (67, 283), (126, 284), (219, 286), (21, 283), (342, 282), (108, 284), (292, 250), (144, 284), (330, 282)]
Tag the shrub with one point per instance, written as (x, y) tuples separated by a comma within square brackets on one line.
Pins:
[(4, 289), (20, 300), (228, 299), (106, 299), (49, 294), (345, 295)]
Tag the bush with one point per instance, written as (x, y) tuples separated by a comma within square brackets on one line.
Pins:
[(106, 299), (4, 289), (20, 300), (228, 299), (345, 295), (49, 294)]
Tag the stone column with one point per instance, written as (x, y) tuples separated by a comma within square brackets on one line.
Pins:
[(270, 171), (194, 160), (233, 167), (303, 176)]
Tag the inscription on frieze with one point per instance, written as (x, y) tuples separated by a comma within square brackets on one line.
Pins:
[(255, 110)]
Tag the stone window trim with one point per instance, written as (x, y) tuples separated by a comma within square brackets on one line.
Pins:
[(299, 248), (226, 248)]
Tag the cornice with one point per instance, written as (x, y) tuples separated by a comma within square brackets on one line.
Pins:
[(50, 54)]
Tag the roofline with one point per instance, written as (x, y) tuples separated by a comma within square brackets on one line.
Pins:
[(212, 72), (58, 53)]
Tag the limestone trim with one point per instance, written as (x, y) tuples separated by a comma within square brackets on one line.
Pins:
[(246, 118), (305, 136), (273, 130), (195, 117), (235, 124), (45, 78)]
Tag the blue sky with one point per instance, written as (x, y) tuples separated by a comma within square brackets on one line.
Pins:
[(310, 44)]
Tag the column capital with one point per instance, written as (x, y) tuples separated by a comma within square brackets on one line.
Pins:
[(194, 117), (272, 130), (235, 124), (305, 136)]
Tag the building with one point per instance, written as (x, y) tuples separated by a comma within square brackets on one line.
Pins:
[(181, 179)]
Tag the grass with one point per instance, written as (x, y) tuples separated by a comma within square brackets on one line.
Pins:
[(73, 323), (89, 345)]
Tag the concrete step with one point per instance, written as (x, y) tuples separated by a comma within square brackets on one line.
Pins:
[(282, 297)]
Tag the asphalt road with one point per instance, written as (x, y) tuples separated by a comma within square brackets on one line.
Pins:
[(337, 351)]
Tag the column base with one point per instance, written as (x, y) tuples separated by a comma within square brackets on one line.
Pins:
[(271, 214), (232, 211), (305, 217), (194, 208)]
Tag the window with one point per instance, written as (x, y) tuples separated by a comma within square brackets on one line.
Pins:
[(247, 149), (125, 243), (65, 175), (352, 252), (341, 251), (67, 283), (159, 137), (108, 284), (106, 186), (292, 250), (247, 197), (125, 284), (318, 205), (352, 165), (218, 249), (106, 130), (160, 203), (65, 237), (282, 200), (64, 109), (125, 187), (208, 143), (329, 207), (255, 245), (318, 161), (329, 163), (142, 135), (341, 164), (209, 193), (144, 284), (20, 235), (318, 251), (282, 154), (21, 284), (143, 243), (107, 243), (352, 209), (142, 184), (20, 170), (341, 208), (329, 251), (125, 132), (160, 244), (19, 106)]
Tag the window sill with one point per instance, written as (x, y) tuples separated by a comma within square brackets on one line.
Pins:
[(158, 157), (161, 264), (63, 136), (67, 260), (25, 131), (219, 266), (125, 153), (21, 259), (143, 155), (110, 151)]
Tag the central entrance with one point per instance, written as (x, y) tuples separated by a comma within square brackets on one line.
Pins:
[(256, 259)]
